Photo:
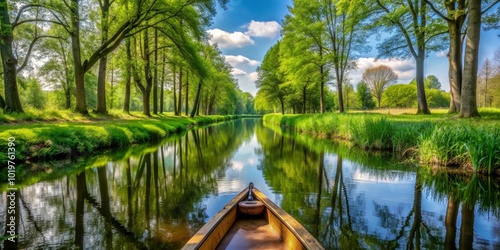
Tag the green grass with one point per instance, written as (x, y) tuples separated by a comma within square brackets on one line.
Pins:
[(52, 137), (440, 138)]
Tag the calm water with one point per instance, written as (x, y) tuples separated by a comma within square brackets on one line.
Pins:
[(158, 196)]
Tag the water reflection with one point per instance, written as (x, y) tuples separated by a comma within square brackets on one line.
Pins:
[(346, 198)]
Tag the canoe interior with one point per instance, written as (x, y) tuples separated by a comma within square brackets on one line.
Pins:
[(275, 229)]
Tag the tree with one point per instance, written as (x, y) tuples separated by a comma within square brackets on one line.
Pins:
[(129, 22), (378, 78), (417, 31), (58, 69), (9, 62), (486, 74), (432, 82), (303, 51), (455, 17), (269, 80), (438, 98), (344, 25), (468, 106), (364, 96), (399, 96)]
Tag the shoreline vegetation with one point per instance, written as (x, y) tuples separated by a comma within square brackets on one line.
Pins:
[(440, 139), (62, 134)]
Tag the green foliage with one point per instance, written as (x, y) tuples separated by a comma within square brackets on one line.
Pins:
[(438, 98), (364, 96), (90, 90), (269, 80), (430, 82), (31, 93), (399, 96)]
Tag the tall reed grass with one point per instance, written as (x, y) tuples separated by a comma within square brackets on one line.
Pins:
[(443, 142)]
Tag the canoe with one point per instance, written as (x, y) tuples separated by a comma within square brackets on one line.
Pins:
[(272, 228)]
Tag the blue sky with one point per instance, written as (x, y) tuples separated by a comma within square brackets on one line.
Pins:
[(248, 28)]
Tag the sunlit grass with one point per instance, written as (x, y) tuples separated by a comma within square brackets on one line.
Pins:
[(64, 134), (440, 138)]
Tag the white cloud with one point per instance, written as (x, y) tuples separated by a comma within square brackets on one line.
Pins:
[(236, 165), (263, 29), (239, 60), (253, 76), (238, 72), (229, 40), (404, 68), (442, 53)]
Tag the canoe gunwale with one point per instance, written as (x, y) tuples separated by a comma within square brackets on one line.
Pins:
[(219, 224), (197, 241), (300, 233)]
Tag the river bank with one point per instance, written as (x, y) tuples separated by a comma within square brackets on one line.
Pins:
[(49, 140), (439, 139)]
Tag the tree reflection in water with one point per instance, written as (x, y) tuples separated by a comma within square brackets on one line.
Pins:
[(342, 218), (157, 197)]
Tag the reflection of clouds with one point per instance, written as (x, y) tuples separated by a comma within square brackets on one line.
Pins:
[(236, 165), (397, 177), (251, 161)]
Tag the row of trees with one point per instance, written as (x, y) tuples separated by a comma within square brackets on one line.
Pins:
[(153, 48), (322, 39)]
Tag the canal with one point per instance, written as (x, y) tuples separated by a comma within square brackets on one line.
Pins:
[(159, 196)]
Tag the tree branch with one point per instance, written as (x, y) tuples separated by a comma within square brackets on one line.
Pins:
[(437, 11), (30, 48), (489, 7)]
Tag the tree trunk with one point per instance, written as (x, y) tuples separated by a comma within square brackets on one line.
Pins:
[(9, 63), (174, 90), (146, 95), (455, 69), (81, 104), (128, 76), (179, 105), (456, 14), (304, 100), (423, 108), (101, 86), (67, 94), (197, 99), (339, 92), (451, 223), (467, 227), (162, 83), (187, 93), (2, 102), (155, 76), (282, 102), (147, 74), (322, 83), (101, 80), (469, 81)]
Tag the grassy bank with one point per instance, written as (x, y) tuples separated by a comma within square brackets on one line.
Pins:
[(437, 139), (57, 136)]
